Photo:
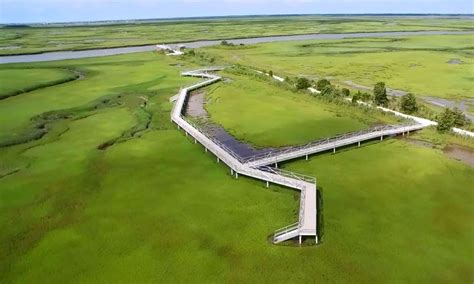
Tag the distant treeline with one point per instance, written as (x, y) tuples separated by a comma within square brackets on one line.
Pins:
[(15, 26), (185, 19)]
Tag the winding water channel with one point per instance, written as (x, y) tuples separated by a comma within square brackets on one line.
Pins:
[(61, 55)]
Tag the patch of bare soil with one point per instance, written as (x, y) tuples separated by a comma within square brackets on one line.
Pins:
[(195, 105), (460, 153), (455, 61)]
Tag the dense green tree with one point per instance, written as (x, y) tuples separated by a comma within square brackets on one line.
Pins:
[(380, 94), (445, 121), (302, 83), (356, 97), (451, 118), (270, 73), (328, 91), (345, 92), (321, 84), (408, 104), (366, 97)]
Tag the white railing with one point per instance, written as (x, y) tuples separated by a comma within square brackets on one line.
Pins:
[(301, 215), (289, 174), (285, 230), (243, 165), (250, 167), (229, 157), (273, 177), (327, 144), (375, 132), (216, 141), (206, 69)]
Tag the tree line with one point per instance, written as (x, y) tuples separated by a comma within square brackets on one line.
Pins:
[(408, 104)]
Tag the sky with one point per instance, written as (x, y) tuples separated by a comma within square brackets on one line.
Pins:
[(37, 11)]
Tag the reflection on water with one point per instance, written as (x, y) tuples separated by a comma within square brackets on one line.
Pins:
[(244, 150)]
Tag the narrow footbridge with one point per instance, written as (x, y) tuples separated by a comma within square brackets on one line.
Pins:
[(258, 166)]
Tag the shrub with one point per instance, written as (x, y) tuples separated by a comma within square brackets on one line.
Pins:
[(363, 96), (226, 43), (356, 97), (380, 94), (408, 104), (451, 118), (345, 92), (302, 83), (321, 84)]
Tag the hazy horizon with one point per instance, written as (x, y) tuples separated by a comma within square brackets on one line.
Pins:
[(59, 11), (254, 15)]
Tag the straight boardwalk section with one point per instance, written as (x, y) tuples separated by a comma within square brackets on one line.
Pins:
[(330, 144)]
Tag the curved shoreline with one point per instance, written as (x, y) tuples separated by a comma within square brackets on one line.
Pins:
[(107, 51)]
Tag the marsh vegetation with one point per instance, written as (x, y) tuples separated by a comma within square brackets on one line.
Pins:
[(111, 191), (36, 39)]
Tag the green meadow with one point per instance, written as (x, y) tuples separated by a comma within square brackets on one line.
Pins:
[(41, 38), (114, 192), (268, 115), (438, 66), (17, 81)]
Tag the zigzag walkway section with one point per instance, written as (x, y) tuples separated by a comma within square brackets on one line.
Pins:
[(257, 166)]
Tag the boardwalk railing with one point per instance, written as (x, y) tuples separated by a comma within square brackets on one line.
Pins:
[(255, 166), (330, 143), (229, 157), (289, 174), (286, 230)]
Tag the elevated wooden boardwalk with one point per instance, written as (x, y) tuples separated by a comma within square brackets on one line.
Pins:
[(255, 167)]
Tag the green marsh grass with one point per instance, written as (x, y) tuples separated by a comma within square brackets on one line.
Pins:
[(157, 208), (53, 38), (419, 64)]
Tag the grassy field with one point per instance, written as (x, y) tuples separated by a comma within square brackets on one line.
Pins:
[(439, 66), (16, 81), (107, 78), (154, 207), (51, 38), (395, 212), (267, 115)]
